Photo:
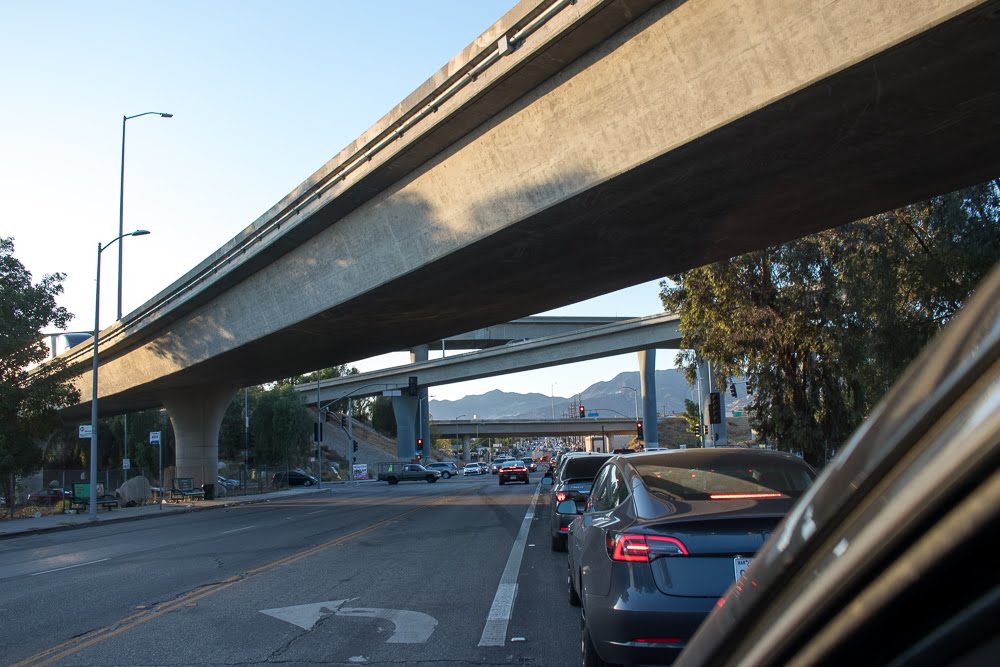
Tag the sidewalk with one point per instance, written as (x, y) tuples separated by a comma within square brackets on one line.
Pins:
[(57, 522)]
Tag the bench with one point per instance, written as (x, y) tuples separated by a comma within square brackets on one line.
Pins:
[(81, 498), (182, 488)]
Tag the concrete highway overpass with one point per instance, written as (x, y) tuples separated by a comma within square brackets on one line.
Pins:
[(634, 335), (641, 334), (573, 149), (508, 428)]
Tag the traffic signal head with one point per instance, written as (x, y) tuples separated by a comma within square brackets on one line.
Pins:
[(582, 411), (714, 408), (420, 443), (638, 430), (355, 442), (732, 389), (343, 420)]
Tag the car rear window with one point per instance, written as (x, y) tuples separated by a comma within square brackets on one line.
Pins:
[(708, 477), (583, 467)]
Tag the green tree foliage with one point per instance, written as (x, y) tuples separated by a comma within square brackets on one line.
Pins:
[(692, 419), (29, 400), (383, 416), (821, 327), (281, 427)]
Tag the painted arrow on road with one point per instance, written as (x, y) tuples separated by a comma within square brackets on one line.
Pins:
[(411, 627)]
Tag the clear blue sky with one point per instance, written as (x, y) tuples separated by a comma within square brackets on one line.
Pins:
[(263, 94)]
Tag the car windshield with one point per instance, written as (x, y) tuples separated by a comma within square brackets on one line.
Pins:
[(708, 475)]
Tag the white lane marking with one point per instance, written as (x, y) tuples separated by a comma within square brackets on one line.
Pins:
[(68, 567), (236, 530), (495, 630), (316, 512), (410, 627)]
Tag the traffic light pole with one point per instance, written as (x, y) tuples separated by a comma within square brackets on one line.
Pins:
[(350, 438)]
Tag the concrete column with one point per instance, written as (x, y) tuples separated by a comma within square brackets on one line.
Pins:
[(196, 415), (420, 353), (405, 409), (647, 381), (465, 448)]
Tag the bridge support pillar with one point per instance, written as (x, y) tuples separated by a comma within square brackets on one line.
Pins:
[(647, 381), (465, 448), (420, 353), (405, 409), (196, 415)]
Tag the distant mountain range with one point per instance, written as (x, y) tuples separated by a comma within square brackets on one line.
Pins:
[(605, 398)]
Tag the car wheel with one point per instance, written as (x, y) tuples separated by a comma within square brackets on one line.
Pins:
[(446, 474), (587, 651), (559, 544), (431, 479), (308, 482), (574, 599), (501, 482), (392, 480)]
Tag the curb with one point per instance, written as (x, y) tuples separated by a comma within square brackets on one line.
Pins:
[(150, 515)]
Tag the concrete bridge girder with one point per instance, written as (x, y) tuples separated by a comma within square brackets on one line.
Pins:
[(814, 116)]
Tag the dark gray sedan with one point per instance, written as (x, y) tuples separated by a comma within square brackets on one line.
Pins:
[(570, 481), (663, 535)]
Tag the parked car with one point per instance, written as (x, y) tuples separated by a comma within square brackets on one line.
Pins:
[(570, 481), (293, 478), (512, 471), (886, 560), (663, 535), (48, 496), (472, 469), (230, 484), (446, 468)]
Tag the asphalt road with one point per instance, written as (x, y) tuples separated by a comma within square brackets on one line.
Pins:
[(455, 572)]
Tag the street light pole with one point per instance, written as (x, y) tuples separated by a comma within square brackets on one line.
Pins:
[(635, 396), (93, 388), (121, 199)]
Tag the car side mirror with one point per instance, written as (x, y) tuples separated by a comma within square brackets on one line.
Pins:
[(547, 480)]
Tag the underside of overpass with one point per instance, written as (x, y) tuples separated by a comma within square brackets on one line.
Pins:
[(621, 141)]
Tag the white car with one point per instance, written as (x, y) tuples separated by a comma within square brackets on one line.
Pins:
[(471, 469)]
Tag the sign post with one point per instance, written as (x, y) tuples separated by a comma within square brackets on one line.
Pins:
[(154, 439)]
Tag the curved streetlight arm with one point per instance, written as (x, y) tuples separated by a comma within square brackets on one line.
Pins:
[(121, 197), (161, 114), (635, 395), (351, 393)]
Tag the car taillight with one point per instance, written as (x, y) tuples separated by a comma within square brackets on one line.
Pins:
[(643, 548), (561, 496)]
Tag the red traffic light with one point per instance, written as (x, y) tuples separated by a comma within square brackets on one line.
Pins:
[(420, 443), (638, 430), (582, 411)]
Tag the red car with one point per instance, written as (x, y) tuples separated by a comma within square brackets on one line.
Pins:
[(513, 471)]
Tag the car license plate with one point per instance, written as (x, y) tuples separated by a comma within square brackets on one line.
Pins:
[(740, 566)]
